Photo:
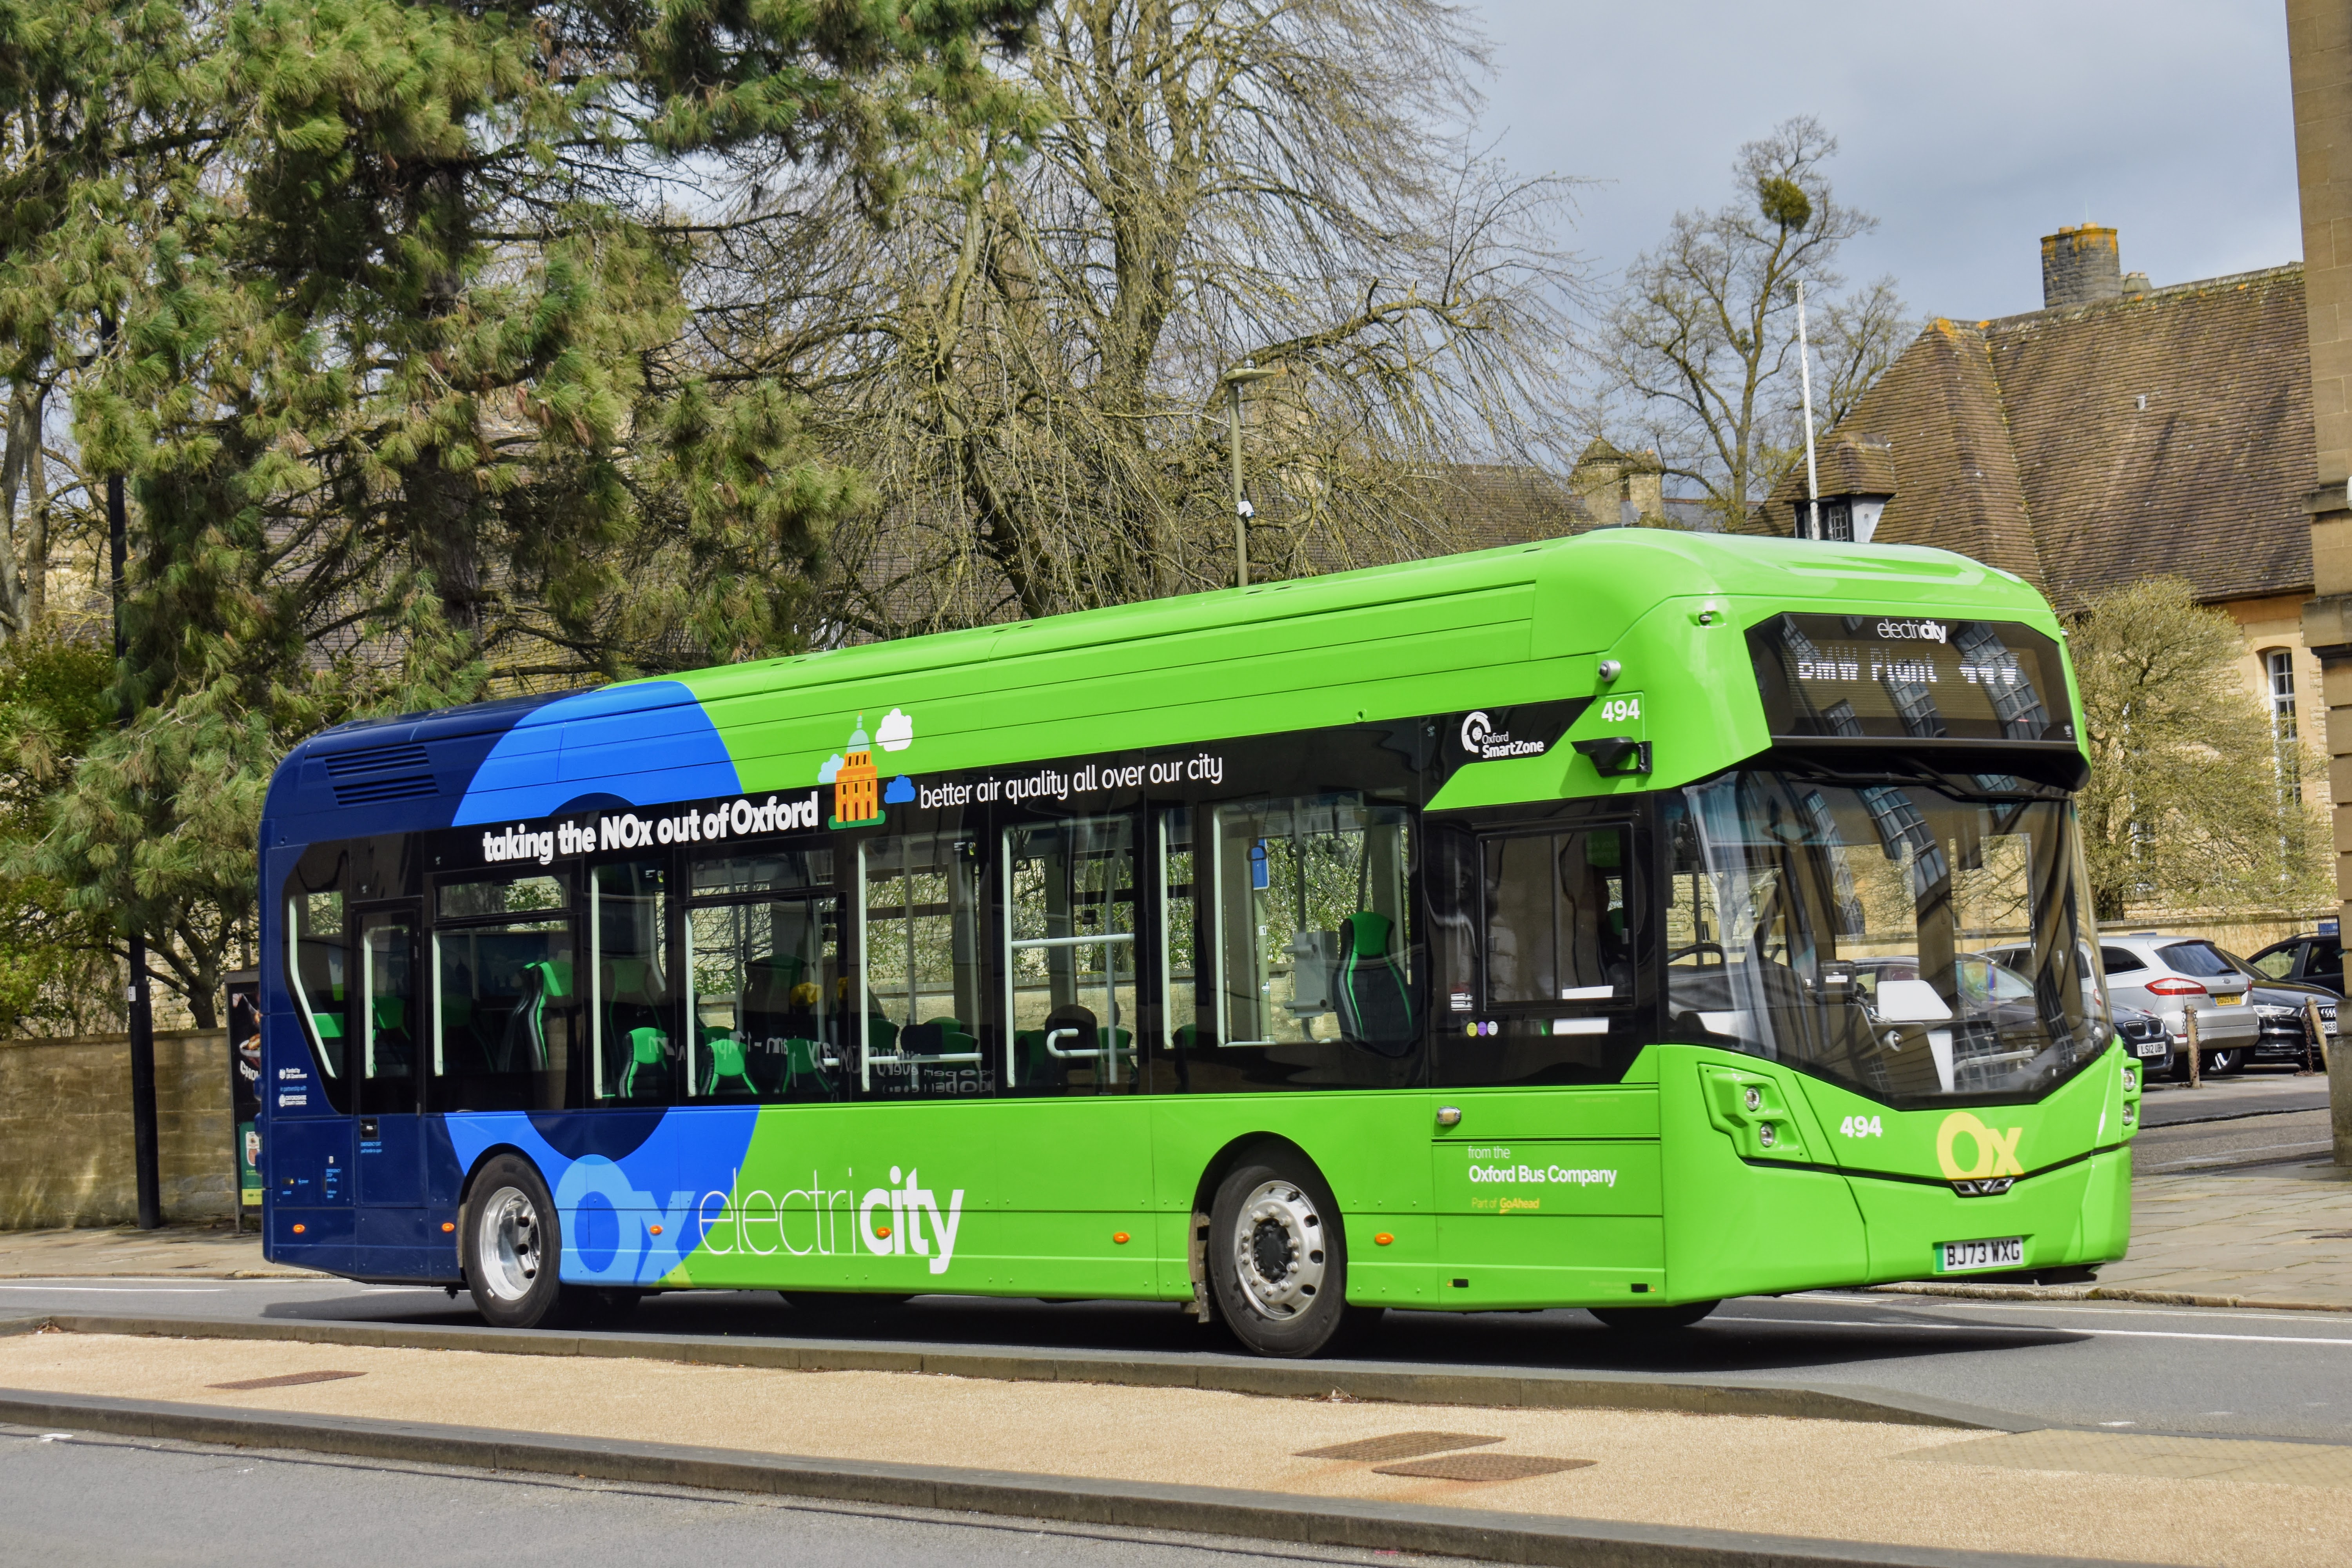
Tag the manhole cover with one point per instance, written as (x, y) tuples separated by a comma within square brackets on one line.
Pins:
[(1399, 1446), (1481, 1467), (286, 1380)]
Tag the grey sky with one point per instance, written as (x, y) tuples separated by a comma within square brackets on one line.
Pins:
[(1970, 129)]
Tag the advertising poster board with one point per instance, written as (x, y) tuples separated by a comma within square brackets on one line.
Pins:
[(244, 988)]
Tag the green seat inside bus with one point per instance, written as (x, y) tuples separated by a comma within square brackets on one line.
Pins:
[(1081, 1039), (524, 1046), (1375, 1002), (648, 1050), (725, 1053), (936, 1038)]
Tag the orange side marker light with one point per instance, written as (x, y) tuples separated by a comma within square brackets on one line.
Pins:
[(1382, 1240), (446, 1227), (883, 1231), (299, 1229), (657, 1230), (1118, 1236)]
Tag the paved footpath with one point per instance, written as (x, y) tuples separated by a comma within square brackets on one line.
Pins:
[(2114, 1496)]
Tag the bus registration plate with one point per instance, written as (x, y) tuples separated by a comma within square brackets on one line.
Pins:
[(1966, 1256)]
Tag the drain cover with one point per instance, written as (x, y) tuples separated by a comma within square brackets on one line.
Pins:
[(286, 1380), (1399, 1446), (1481, 1467)]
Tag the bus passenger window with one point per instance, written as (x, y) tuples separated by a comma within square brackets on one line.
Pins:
[(922, 1022), (1070, 956), (765, 980), (318, 949), (1317, 977), (1556, 924), (632, 1030), (386, 1013), (506, 995)]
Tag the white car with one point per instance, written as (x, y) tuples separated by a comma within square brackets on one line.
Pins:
[(2172, 977)]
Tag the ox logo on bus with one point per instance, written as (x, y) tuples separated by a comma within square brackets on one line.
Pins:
[(1992, 1153)]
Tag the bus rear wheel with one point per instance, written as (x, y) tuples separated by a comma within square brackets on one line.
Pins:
[(1653, 1319), (1277, 1257), (510, 1245)]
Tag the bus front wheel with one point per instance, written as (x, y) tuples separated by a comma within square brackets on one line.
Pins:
[(1278, 1256), (511, 1246)]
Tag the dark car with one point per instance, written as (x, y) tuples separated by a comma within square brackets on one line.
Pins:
[(2314, 960), (2145, 1037), (2281, 1004)]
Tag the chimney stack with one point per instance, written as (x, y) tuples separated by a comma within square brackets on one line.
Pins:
[(2080, 267)]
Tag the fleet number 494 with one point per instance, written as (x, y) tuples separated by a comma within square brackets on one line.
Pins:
[(1861, 1127), (1618, 709)]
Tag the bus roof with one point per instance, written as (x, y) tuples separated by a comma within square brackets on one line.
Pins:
[(1515, 624)]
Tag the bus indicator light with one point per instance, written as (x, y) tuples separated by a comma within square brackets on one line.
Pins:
[(446, 1227), (1118, 1237), (298, 1229), (1382, 1240)]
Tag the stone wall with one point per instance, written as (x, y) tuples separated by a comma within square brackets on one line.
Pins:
[(65, 1129)]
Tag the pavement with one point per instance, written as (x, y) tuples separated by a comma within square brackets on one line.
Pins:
[(188, 1251), (2178, 1499)]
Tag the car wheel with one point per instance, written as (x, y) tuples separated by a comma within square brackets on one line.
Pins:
[(2224, 1063), (511, 1241), (1653, 1319), (1277, 1255)]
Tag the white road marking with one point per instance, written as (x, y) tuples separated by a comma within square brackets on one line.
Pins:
[(2345, 1341), (2110, 1308), (118, 1289)]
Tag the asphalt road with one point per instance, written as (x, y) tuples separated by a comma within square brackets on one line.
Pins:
[(64, 1497), (2088, 1363), (2260, 1118)]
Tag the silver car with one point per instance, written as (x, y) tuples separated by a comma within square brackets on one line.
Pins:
[(2173, 976)]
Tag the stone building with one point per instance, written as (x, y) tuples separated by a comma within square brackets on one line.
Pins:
[(2120, 432)]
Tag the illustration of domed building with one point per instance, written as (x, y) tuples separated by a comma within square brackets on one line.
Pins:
[(856, 801)]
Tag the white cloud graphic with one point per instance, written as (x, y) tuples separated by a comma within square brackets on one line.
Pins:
[(895, 732), (833, 765)]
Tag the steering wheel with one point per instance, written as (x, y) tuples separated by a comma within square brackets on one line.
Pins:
[(1714, 947)]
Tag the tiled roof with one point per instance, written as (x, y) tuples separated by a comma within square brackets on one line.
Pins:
[(2085, 446)]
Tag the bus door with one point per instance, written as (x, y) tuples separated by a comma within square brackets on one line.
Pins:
[(1555, 1188), (385, 1024)]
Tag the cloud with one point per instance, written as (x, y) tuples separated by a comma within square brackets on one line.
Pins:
[(833, 764), (899, 791), (895, 732)]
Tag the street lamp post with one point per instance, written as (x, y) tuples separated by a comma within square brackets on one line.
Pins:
[(1242, 510)]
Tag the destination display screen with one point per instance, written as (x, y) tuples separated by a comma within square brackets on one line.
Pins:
[(1909, 678)]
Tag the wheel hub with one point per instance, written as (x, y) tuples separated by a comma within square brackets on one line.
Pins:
[(509, 1243), (1278, 1250)]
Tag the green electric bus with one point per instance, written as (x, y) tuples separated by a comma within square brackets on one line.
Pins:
[(1602, 922)]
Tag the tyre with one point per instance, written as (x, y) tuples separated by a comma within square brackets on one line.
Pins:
[(1277, 1257), (510, 1242), (1653, 1319), (2224, 1063)]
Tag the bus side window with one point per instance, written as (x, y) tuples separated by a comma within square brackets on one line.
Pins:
[(505, 994), (764, 979), (318, 941), (1070, 932), (1298, 911), (923, 1021), (633, 1048), (384, 1015)]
